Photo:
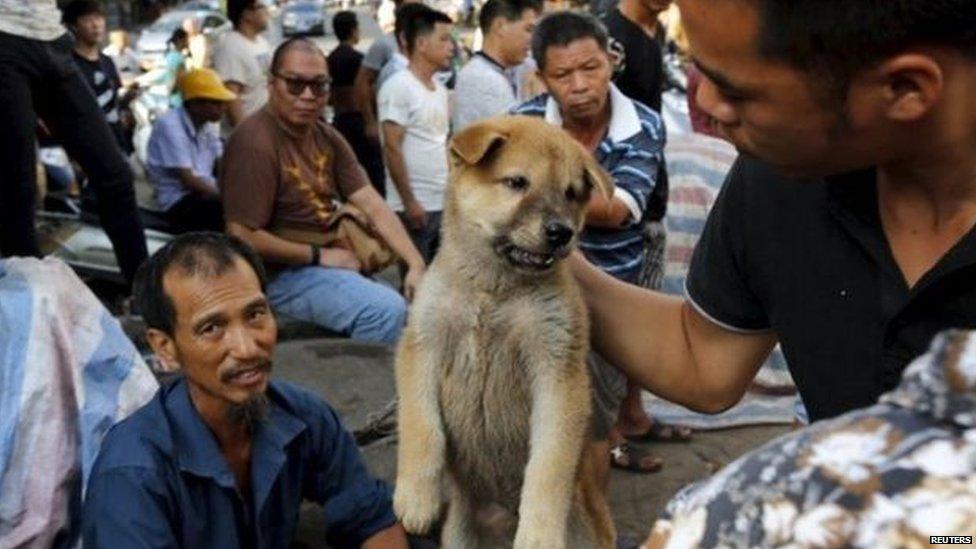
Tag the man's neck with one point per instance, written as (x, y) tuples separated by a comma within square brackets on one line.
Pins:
[(932, 190), (423, 70), (248, 31), (644, 18), (197, 122), (494, 51), (589, 131), (87, 51), (214, 413)]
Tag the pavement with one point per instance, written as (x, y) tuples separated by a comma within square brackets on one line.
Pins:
[(357, 379)]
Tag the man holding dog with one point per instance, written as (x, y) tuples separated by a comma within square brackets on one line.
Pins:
[(845, 229), (285, 172), (627, 138), (224, 456)]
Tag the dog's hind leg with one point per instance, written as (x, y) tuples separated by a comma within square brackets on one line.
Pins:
[(460, 528), (594, 506), (422, 447)]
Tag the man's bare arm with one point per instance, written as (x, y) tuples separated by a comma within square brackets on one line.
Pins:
[(611, 213), (364, 94), (278, 250), (195, 183), (393, 157), (662, 343), (387, 224), (393, 537)]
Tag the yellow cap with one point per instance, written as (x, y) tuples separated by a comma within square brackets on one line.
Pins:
[(203, 84)]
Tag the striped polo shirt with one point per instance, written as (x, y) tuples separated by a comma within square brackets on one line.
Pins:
[(631, 152)]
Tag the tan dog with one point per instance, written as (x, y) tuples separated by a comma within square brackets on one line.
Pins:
[(491, 370)]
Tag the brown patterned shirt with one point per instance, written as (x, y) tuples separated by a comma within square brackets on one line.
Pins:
[(273, 176)]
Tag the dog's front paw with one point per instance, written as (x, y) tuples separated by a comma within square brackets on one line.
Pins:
[(417, 504), (539, 538)]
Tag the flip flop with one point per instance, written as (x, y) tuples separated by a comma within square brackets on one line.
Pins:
[(662, 432), (623, 456)]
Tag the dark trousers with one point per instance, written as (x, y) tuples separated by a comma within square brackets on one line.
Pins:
[(352, 127), (428, 239), (196, 213), (39, 79)]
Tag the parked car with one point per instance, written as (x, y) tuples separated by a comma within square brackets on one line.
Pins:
[(303, 18), (151, 46)]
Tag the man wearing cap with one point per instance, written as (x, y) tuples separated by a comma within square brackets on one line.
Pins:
[(184, 150)]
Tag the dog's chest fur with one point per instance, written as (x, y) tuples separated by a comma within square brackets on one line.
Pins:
[(492, 346)]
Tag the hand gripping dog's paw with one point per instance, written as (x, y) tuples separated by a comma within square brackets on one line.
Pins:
[(417, 504)]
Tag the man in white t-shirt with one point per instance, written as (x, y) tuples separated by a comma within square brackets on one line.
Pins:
[(413, 111), (242, 58)]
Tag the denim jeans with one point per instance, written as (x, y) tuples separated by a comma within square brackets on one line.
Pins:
[(39, 79), (340, 300)]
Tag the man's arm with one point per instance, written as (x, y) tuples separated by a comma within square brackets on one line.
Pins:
[(393, 134), (611, 214), (278, 250), (666, 346), (389, 227), (195, 183), (364, 94), (127, 507), (393, 537), (235, 108)]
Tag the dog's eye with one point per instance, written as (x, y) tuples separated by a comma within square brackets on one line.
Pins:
[(571, 194), (516, 183)]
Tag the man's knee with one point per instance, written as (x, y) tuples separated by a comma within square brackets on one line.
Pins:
[(382, 318)]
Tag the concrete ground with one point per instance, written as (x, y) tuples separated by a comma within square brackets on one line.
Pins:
[(357, 379)]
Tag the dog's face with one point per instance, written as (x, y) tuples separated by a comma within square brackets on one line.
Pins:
[(521, 186)]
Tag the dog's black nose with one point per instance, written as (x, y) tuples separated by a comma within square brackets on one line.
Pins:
[(558, 234)]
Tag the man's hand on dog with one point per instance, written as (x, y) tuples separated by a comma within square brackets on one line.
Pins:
[(339, 258), (416, 215)]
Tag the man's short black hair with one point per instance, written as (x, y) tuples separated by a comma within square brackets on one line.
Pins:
[(77, 9), (236, 9), (421, 24), (199, 253), (840, 38), (510, 10), (403, 14), (344, 24), (562, 28), (294, 43)]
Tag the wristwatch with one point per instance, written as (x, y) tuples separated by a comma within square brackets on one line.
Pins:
[(316, 254)]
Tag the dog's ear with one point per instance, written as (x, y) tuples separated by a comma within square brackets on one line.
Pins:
[(598, 178), (474, 144)]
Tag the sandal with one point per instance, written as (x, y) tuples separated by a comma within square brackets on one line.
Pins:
[(662, 432), (623, 456)]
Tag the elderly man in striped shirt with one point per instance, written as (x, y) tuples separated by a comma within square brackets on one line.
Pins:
[(627, 138)]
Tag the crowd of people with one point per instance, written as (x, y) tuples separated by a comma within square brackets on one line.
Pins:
[(844, 232)]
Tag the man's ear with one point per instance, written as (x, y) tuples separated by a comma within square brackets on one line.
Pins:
[(598, 178), (473, 145), (913, 85), (164, 348)]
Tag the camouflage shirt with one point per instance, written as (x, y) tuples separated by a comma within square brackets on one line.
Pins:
[(886, 476)]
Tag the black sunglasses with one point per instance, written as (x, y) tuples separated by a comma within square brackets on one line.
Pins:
[(297, 86)]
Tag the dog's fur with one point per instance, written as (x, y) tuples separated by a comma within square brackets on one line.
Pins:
[(491, 369)]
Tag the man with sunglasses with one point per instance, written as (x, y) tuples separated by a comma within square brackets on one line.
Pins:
[(283, 168)]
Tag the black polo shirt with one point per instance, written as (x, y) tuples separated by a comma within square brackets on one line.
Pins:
[(809, 260)]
